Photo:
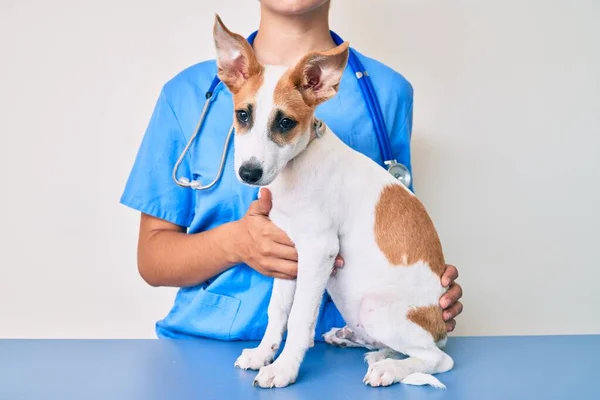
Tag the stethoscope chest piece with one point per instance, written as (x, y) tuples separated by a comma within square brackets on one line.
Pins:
[(400, 172)]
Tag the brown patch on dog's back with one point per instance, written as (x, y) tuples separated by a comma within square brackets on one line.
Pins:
[(429, 318), (404, 231)]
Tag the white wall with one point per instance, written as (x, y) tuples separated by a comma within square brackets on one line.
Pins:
[(506, 151)]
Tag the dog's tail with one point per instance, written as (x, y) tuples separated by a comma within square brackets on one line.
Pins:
[(420, 379)]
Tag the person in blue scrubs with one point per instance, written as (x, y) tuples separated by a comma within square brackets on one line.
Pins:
[(218, 246)]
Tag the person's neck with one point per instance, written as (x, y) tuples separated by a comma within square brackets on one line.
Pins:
[(284, 39)]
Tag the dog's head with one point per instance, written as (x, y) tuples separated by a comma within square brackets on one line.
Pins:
[(273, 106)]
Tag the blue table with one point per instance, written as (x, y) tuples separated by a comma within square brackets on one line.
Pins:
[(546, 367)]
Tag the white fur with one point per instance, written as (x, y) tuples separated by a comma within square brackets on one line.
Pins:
[(420, 379), (324, 199)]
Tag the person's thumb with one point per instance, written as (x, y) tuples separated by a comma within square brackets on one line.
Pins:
[(264, 203)]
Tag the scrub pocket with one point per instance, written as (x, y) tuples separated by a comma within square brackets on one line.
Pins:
[(213, 314), (200, 313)]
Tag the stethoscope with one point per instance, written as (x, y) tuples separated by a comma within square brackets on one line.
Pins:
[(398, 170)]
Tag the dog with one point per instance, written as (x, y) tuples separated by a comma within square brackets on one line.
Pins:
[(389, 288)]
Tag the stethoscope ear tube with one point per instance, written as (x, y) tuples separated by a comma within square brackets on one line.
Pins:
[(399, 171), (374, 110)]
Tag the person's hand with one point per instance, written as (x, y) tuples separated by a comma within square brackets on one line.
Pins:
[(450, 300), (265, 247)]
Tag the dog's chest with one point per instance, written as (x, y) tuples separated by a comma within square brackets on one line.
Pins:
[(295, 217), (282, 219), (300, 209)]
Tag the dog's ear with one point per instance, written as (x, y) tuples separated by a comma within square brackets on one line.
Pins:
[(317, 75), (236, 61)]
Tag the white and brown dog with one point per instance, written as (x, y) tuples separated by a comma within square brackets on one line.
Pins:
[(389, 288)]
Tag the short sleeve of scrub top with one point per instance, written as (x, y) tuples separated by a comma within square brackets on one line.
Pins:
[(150, 188)]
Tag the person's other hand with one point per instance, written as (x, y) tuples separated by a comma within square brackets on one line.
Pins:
[(264, 246), (450, 300)]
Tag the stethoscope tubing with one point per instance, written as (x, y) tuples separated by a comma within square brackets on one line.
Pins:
[(373, 107)]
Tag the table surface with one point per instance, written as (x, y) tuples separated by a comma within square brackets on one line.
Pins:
[(527, 367)]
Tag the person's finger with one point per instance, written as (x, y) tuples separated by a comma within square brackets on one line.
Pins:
[(339, 262), (285, 267), (265, 267), (453, 294), (277, 235), (450, 325), (281, 251), (263, 205), (453, 311), (450, 275), (279, 275)]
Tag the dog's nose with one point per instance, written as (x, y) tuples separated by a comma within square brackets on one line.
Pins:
[(250, 173)]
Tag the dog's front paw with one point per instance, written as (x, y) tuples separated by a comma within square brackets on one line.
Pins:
[(254, 358), (278, 374)]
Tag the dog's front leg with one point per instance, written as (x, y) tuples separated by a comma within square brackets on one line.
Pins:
[(278, 312), (315, 262)]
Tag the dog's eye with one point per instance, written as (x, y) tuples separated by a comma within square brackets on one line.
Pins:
[(242, 116), (286, 124)]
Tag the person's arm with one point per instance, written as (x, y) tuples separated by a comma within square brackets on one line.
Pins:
[(168, 256)]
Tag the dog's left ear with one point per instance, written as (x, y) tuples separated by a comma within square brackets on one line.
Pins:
[(317, 75), (236, 61)]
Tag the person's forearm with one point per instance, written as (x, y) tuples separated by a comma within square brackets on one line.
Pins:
[(169, 258)]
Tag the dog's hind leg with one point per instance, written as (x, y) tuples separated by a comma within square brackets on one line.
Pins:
[(414, 332), (417, 369), (346, 337), (378, 355)]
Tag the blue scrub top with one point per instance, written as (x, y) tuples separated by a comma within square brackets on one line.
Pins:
[(233, 305)]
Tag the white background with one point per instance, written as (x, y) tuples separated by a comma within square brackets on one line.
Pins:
[(506, 151)]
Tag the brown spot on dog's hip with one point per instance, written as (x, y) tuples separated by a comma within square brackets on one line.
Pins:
[(404, 231), (429, 318)]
